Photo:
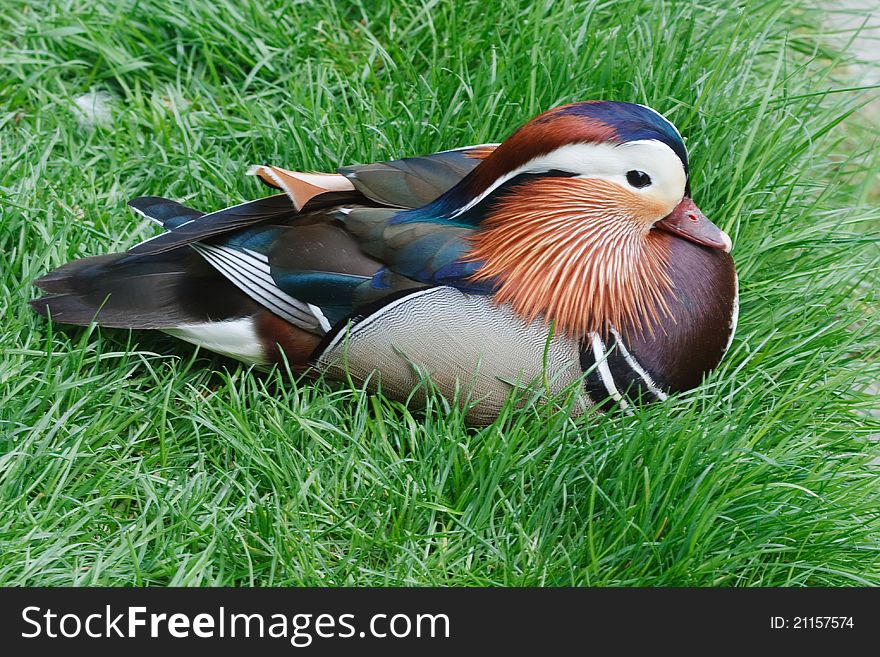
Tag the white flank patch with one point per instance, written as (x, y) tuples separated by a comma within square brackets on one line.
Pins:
[(93, 108), (605, 161), (235, 338)]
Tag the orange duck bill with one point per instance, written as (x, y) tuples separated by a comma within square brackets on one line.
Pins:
[(689, 222)]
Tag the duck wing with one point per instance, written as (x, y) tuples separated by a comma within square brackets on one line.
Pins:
[(329, 245), (412, 182), (323, 249)]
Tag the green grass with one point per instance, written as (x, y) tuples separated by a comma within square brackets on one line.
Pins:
[(125, 458)]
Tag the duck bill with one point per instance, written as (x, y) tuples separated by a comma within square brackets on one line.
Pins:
[(688, 221)]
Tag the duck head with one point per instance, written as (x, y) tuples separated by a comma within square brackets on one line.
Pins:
[(576, 212)]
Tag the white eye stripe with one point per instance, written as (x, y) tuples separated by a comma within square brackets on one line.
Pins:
[(606, 161)]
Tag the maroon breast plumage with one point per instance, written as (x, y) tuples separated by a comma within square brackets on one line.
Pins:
[(571, 254)]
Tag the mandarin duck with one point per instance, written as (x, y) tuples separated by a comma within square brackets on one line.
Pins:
[(571, 251)]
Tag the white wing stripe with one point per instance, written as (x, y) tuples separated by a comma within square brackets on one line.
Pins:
[(320, 316), (265, 284), (262, 257), (258, 284), (143, 214), (254, 291), (146, 216), (258, 294)]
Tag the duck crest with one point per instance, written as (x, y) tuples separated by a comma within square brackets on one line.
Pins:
[(576, 259)]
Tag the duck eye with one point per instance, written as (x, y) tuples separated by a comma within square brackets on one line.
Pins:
[(638, 179)]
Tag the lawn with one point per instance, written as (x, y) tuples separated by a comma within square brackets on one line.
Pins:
[(128, 459)]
